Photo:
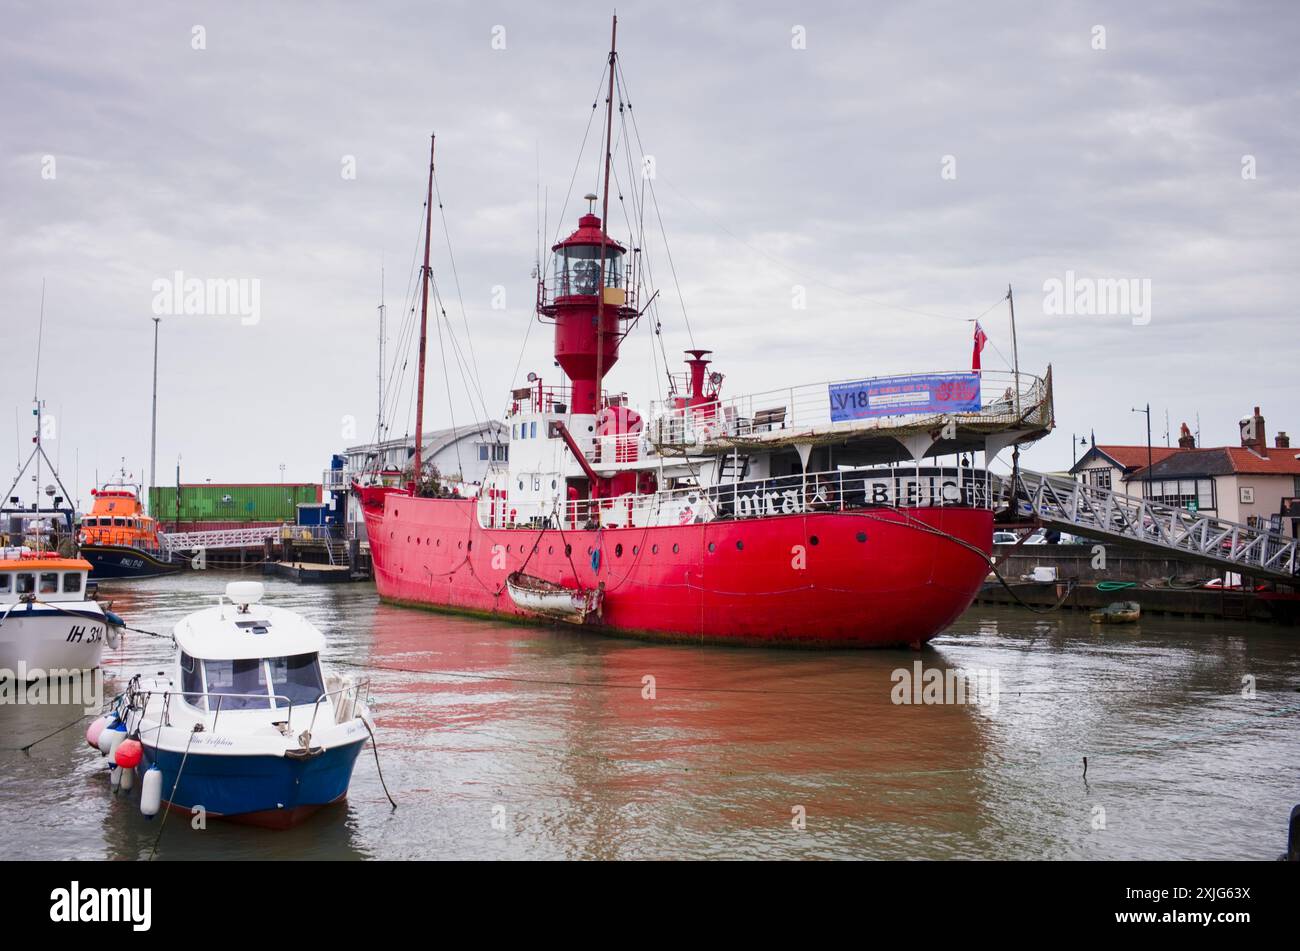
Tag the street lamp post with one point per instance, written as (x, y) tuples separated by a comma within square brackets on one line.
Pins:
[(1148, 414)]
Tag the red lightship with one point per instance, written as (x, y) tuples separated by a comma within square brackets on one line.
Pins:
[(840, 514)]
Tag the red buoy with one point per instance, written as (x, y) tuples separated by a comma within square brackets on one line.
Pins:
[(129, 754)]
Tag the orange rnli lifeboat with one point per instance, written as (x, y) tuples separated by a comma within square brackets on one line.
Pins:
[(120, 540)]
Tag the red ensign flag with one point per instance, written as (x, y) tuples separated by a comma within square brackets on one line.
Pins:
[(980, 339)]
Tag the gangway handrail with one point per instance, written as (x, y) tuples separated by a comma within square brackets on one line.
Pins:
[(1103, 513)]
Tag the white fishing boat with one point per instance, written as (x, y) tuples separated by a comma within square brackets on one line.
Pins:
[(250, 728), (51, 626), (548, 599)]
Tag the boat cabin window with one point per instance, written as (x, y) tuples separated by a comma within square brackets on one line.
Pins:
[(26, 584), (296, 678), (191, 680), (234, 679), (6, 579), (119, 522), (49, 582), (71, 582)]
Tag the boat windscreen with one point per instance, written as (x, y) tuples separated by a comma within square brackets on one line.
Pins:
[(236, 679), (297, 677)]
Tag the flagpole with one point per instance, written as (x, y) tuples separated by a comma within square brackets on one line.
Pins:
[(1015, 353)]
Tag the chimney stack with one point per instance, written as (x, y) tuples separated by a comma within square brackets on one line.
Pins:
[(1252, 434), (1283, 441), (1185, 438)]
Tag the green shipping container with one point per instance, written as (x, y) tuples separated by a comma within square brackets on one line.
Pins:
[(249, 502)]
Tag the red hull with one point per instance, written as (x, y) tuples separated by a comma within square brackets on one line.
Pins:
[(868, 579)]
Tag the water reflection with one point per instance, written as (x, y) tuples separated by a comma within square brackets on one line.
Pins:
[(529, 742)]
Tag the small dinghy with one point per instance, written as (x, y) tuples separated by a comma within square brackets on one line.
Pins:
[(1117, 612), (254, 731), (548, 599)]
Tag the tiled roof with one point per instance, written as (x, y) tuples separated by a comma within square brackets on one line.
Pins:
[(1222, 460), (1129, 457)]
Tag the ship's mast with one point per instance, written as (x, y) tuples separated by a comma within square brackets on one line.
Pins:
[(36, 399), (379, 426), (424, 325), (604, 216)]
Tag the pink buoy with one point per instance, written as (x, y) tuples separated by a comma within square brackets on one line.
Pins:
[(92, 732)]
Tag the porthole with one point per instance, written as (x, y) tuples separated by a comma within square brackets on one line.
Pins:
[(469, 546), (460, 544), (550, 549), (437, 543), (676, 548), (408, 539), (813, 540), (554, 484), (862, 536), (636, 549), (618, 550), (568, 550), (740, 546), (654, 549), (712, 547)]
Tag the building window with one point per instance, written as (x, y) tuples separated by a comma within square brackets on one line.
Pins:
[(1101, 478), (482, 452), (500, 453), (1194, 494)]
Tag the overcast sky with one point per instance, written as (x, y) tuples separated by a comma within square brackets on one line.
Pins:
[(903, 167)]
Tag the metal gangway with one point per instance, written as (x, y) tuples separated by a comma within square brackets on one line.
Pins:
[(222, 538), (1066, 504)]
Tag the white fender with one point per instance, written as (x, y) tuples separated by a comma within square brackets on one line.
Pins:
[(106, 736), (128, 778), (151, 791)]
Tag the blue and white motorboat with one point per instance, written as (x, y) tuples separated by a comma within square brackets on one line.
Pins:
[(251, 728)]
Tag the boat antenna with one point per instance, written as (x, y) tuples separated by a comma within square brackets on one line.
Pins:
[(425, 277), (153, 429), (604, 215)]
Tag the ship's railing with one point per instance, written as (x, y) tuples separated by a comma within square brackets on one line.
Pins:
[(336, 480), (1003, 398), (282, 702), (583, 283), (124, 537), (836, 491), (303, 533), (617, 448)]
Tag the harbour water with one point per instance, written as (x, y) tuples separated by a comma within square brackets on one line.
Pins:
[(507, 741)]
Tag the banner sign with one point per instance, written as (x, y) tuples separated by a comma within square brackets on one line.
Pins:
[(904, 395)]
